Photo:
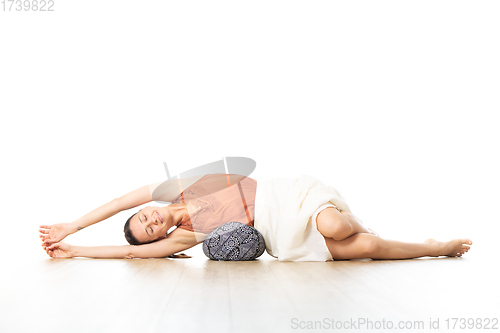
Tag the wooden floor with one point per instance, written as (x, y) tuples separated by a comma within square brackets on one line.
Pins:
[(199, 295)]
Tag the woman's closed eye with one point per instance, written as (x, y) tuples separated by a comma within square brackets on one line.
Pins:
[(149, 230)]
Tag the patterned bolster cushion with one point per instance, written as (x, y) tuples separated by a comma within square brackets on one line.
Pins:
[(234, 241)]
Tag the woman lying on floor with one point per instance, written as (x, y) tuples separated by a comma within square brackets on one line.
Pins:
[(300, 219)]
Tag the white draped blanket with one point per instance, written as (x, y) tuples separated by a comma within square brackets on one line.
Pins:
[(283, 210)]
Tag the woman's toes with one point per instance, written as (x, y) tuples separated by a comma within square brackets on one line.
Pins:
[(466, 241)]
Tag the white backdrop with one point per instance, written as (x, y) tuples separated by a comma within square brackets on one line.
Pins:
[(394, 103)]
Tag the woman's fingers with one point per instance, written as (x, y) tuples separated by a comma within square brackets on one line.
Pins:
[(44, 231), (47, 244), (52, 253), (48, 252), (51, 247), (46, 240)]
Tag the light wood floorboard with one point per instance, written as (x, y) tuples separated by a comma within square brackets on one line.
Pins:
[(198, 295)]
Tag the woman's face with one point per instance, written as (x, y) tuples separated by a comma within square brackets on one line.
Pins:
[(150, 223)]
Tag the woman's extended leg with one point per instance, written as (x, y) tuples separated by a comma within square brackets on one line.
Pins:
[(362, 245)]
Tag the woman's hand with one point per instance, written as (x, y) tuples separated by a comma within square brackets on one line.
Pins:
[(54, 233), (59, 250)]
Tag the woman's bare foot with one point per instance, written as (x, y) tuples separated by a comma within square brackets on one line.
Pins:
[(453, 248)]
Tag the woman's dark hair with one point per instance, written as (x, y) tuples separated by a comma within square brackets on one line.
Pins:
[(128, 233)]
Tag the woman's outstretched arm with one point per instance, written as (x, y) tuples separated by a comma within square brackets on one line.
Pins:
[(181, 241), (57, 232)]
